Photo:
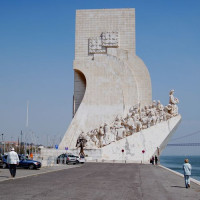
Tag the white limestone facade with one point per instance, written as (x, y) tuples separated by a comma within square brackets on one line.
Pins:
[(109, 77)]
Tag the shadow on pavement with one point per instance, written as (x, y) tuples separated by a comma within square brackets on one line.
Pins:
[(177, 186)]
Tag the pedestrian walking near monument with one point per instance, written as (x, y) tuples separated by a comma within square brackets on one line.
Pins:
[(13, 161), (187, 172), (156, 160), (152, 160)]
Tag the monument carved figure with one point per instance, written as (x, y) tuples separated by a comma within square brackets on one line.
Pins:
[(173, 101), (136, 120)]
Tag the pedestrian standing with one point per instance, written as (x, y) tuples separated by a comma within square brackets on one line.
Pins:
[(13, 161), (152, 160), (187, 168), (31, 156), (156, 160)]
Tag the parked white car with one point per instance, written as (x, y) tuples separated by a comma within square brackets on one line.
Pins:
[(81, 159)]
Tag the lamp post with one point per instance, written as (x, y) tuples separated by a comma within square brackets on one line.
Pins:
[(4, 146), (21, 144), (37, 144), (2, 142), (25, 145)]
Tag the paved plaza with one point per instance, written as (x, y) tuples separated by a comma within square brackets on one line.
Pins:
[(22, 173), (100, 181)]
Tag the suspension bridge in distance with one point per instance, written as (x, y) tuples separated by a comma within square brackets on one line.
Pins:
[(184, 144), (176, 141)]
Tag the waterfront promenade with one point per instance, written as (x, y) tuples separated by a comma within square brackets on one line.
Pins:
[(101, 181)]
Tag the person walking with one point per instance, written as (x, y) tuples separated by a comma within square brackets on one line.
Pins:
[(31, 156), (13, 161), (187, 168), (156, 160), (152, 160)]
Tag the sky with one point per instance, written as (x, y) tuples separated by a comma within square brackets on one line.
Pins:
[(37, 44)]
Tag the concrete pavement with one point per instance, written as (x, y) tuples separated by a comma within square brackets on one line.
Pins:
[(101, 181), (22, 173)]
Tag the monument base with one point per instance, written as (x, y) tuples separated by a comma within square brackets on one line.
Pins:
[(137, 148)]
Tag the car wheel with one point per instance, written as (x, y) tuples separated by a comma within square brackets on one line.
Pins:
[(4, 165), (31, 167)]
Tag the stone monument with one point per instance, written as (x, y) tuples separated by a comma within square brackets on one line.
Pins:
[(112, 105)]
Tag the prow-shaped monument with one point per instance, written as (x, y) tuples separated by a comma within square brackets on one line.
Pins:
[(113, 110)]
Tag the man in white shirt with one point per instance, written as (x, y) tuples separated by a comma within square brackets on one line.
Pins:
[(13, 161)]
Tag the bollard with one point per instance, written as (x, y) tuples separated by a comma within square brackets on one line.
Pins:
[(55, 161)]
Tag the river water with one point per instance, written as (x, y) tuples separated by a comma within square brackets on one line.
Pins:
[(176, 163)]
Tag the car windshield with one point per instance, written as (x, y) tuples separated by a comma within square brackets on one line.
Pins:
[(22, 157)]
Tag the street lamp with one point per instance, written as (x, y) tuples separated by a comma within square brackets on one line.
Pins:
[(21, 144), (37, 144), (3, 143)]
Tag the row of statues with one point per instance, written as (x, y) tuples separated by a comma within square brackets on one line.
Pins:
[(136, 120)]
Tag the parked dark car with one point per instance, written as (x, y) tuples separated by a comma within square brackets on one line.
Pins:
[(23, 162), (3, 162), (28, 163), (67, 158)]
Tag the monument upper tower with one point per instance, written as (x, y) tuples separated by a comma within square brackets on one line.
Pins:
[(92, 23), (108, 76)]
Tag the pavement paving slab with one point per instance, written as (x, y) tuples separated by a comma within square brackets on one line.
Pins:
[(101, 181)]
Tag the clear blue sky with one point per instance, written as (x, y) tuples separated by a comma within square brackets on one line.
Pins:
[(37, 51)]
